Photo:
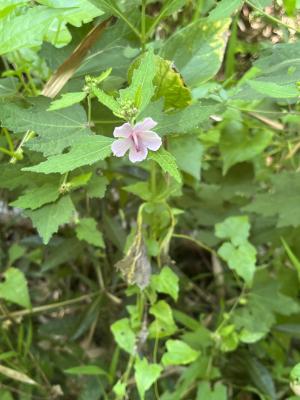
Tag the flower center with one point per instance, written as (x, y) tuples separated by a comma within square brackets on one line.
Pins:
[(135, 141)]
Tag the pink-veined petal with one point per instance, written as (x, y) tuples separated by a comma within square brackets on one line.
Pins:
[(145, 125), (124, 130), (137, 155), (151, 140), (120, 146)]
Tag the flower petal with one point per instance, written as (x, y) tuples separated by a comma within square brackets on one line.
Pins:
[(120, 146), (137, 155), (151, 140), (124, 130), (145, 125)]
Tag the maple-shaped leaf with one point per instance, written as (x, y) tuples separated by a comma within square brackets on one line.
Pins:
[(85, 151), (56, 130), (281, 200), (48, 218)]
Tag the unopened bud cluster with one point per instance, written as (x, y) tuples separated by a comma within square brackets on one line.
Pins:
[(128, 110)]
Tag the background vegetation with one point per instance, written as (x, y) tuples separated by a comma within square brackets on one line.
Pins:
[(174, 278)]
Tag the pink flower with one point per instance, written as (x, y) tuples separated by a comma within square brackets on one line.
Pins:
[(137, 139)]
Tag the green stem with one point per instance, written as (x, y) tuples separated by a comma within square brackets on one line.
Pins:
[(210, 363), (270, 17), (155, 352), (154, 24), (143, 25), (114, 364), (57, 33), (153, 177), (31, 83), (89, 101), (25, 138), (65, 178), (5, 151), (49, 307), (9, 141), (236, 303), (128, 370), (230, 57), (140, 304), (197, 242), (100, 277), (126, 20), (26, 87), (198, 10)]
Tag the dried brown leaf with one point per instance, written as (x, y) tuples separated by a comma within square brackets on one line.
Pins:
[(68, 67), (16, 375), (135, 266)]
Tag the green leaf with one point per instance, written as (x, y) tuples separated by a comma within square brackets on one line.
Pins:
[(224, 9), (237, 145), (206, 44), (140, 189), (182, 121), (170, 85), (272, 89), (272, 70), (67, 100), (48, 218), (205, 391), (97, 187), (258, 315), (7, 6), (8, 87), (166, 282), (294, 260), (141, 89), (13, 178), (57, 129), (286, 185), (229, 338), (109, 5), (114, 50), (170, 7), (164, 324), (187, 321), (241, 259), (87, 230), (85, 151), (295, 373), (124, 335), (188, 153), (6, 395), (75, 11), (12, 29), (120, 389), (290, 6), (108, 101), (86, 370), (80, 180), (179, 353), (37, 197), (167, 162), (260, 376), (14, 288), (15, 252), (239, 254), (236, 229), (145, 375)]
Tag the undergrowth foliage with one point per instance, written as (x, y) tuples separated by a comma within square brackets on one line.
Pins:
[(150, 189)]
